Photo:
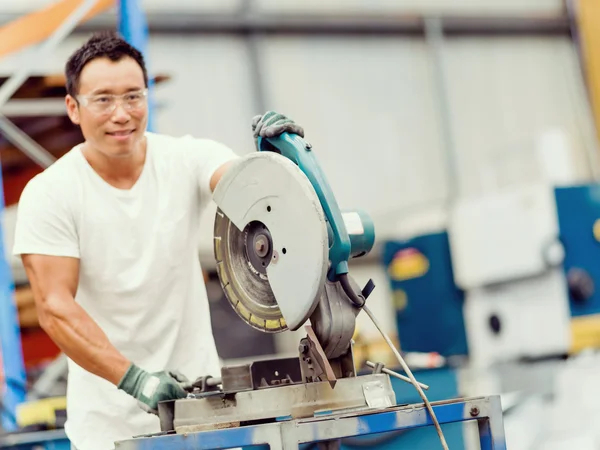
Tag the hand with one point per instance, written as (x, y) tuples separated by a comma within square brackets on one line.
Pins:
[(272, 124), (151, 388)]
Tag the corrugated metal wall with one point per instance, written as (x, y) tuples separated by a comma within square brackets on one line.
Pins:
[(505, 93), (372, 105)]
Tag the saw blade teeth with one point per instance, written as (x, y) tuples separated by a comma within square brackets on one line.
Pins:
[(223, 276), (241, 308), (257, 321), (247, 291), (272, 325)]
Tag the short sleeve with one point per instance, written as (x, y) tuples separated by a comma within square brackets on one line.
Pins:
[(44, 224), (205, 157)]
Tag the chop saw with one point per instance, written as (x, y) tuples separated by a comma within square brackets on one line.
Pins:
[(282, 247)]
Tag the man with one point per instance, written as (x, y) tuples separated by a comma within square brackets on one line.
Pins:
[(107, 236)]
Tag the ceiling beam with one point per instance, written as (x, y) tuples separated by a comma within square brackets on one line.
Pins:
[(34, 107), (53, 87), (332, 24)]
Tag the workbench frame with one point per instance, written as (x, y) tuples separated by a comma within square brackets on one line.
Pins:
[(289, 434)]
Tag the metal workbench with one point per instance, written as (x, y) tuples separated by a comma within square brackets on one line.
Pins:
[(289, 434), (38, 440)]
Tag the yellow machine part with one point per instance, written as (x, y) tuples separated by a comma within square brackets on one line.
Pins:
[(588, 18), (40, 412), (585, 333)]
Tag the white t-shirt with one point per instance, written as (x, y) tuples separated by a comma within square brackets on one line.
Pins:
[(140, 276)]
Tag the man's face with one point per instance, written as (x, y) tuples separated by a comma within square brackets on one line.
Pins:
[(111, 106)]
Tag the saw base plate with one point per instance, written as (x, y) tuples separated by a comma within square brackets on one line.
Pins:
[(295, 401)]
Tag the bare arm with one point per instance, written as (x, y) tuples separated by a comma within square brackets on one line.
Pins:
[(54, 283), (216, 177)]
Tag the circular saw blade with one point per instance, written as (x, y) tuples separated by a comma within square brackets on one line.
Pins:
[(271, 242), (246, 288)]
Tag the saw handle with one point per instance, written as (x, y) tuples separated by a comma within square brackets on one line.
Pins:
[(299, 151)]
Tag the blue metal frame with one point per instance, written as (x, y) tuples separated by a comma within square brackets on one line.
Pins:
[(134, 29), (37, 440), (11, 353), (287, 435)]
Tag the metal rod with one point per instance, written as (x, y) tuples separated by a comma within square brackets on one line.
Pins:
[(16, 80), (214, 381), (410, 375), (52, 374), (253, 46), (34, 107), (435, 39), (395, 374), (27, 145)]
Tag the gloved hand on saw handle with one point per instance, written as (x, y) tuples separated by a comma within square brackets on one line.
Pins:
[(151, 388), (272, 124)]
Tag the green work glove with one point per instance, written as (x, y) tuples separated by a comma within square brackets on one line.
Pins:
[(272, 124), (151, 388)]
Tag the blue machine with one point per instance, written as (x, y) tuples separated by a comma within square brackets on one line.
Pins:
[(578, 210), (423, 289), (425, 296)]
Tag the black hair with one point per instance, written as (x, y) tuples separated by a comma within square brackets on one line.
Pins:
[(106, 44)]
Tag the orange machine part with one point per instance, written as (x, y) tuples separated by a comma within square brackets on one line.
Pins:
[(39, 25)]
